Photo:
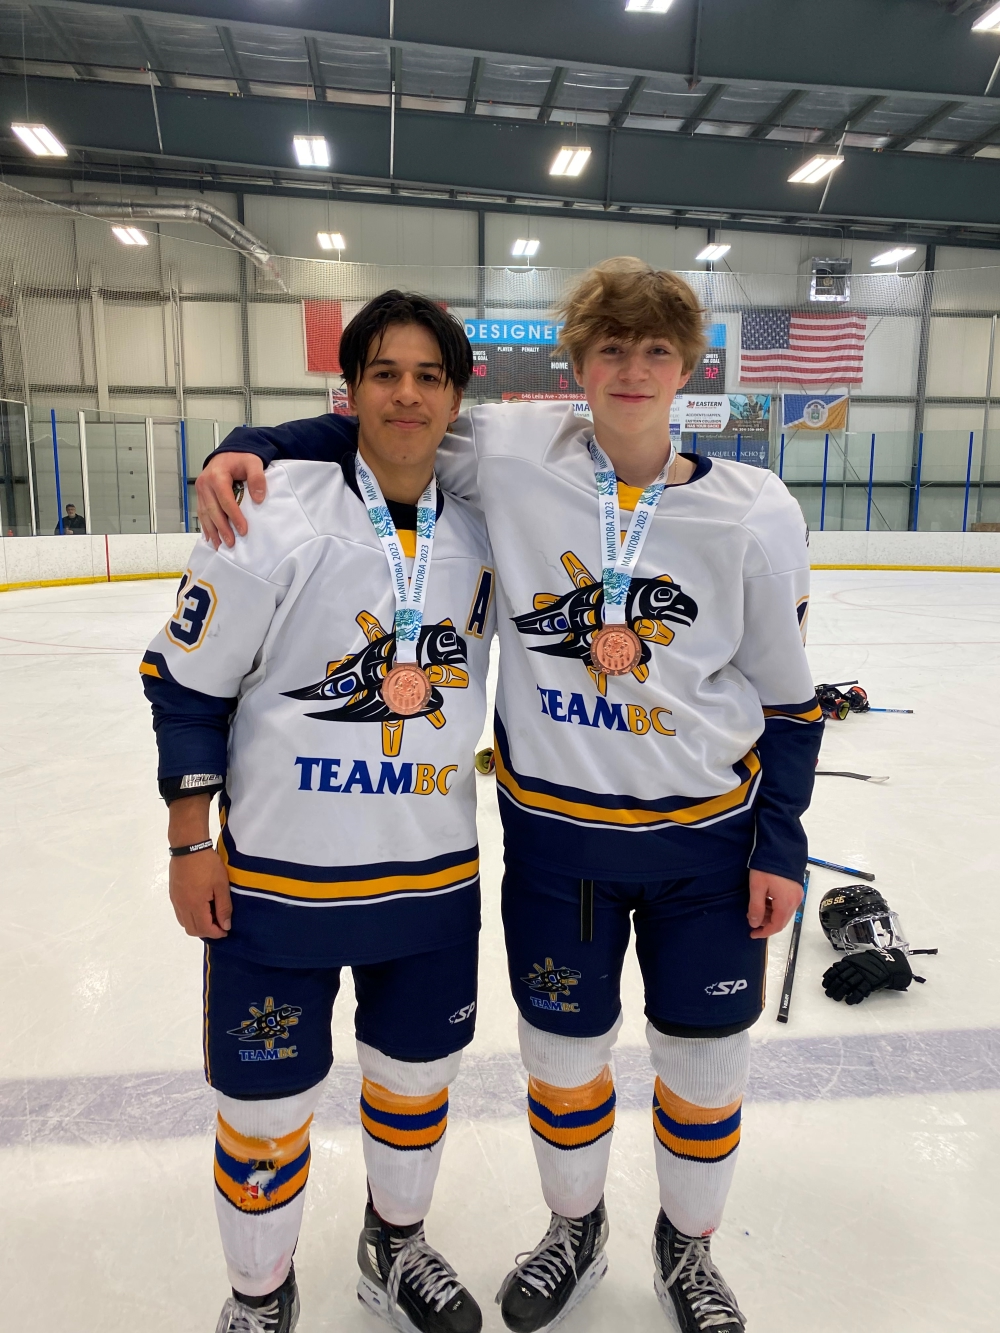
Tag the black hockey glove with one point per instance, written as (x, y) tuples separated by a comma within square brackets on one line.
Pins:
[(855, 977)]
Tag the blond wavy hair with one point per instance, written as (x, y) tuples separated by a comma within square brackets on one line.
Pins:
[(628, 299)]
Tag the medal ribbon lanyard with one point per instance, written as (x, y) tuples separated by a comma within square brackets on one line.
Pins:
[(619, 559), (410, 593)]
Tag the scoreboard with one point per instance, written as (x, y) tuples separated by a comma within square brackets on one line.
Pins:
[(520, 368)]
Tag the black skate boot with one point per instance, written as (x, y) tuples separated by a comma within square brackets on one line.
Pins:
[(277, 1313), (408, 1284), (690, 1287), (567, 1263)]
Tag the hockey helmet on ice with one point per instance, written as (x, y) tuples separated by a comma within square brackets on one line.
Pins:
[(856, 916)]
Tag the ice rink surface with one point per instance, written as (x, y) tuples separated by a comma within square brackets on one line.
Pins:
[(868, 1185)]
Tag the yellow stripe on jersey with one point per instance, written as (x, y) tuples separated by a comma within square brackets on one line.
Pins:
[(810, 714), (289, 887), (408, 541), (400, 1121), (148, 669), (694, 813)]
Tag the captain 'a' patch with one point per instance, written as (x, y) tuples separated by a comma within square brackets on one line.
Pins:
[(573, 618), (353, 682)]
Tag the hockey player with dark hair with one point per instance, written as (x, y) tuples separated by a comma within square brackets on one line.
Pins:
[(656, 738), (327, 674)]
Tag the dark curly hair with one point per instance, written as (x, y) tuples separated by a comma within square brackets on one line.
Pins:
[(363, 336)]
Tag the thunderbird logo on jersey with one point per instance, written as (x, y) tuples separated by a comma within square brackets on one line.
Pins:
[(548, 982), (268, 1025), (354, 682), (576, 616)]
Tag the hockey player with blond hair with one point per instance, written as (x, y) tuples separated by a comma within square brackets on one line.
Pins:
[(327, 674), (656, 736)]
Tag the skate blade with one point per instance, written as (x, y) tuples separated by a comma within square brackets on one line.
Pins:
[(377, 1301), (597, 1270)]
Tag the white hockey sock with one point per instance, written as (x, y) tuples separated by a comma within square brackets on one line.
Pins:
[(696, 1119), (404, 1115), (571, 1111), (261, 1168)]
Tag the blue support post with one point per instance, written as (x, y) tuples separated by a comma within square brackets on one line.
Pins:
[(968, 483), (781, 456), (916, 493), (55, 460), (694, 443), (871, 478), (184, 476), (739, 444), (826, 464)]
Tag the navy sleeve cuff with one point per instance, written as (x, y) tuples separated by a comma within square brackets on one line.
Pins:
[(192, 729), (788, 751)]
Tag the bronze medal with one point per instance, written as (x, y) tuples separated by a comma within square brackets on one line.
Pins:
[(615, 650), (405, 689)]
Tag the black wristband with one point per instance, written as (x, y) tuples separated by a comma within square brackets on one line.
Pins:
[(194, 847)]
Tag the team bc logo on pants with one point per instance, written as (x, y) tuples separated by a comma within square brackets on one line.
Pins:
[(268, 1025), (576, 616), (548, 983), (353, 682)]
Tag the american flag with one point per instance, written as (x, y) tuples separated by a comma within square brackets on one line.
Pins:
[(803, 349)]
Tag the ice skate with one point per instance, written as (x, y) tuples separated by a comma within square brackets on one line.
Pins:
[(690, 1287), (560, 1271), (410, 1285), (277, 1313)]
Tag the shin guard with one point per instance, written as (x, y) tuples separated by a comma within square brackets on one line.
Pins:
[(262, 1161), (404, 1115), (571, 1111), (697, 1106)]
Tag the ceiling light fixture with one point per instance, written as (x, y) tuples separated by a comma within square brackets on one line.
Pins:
[(525, 248), (816, 169), (893, 256), (711, 253), (988, 22), (570, 161), (647, 6), (331, 240), (130, 235), (311, 150), (40, 140)]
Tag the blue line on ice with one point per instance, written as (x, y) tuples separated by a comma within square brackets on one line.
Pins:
[(114, 1108)]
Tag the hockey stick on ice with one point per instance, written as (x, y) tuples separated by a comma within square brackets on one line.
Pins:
[(838, 773), (793, 954), (844, 870)]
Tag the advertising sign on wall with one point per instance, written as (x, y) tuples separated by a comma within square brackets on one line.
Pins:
[(536, 331), (701, 412), (745, 433)]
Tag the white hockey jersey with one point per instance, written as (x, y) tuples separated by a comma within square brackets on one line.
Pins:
[(606, 775), (349, 833)]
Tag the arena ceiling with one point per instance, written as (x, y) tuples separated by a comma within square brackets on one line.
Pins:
[(696, 116)]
